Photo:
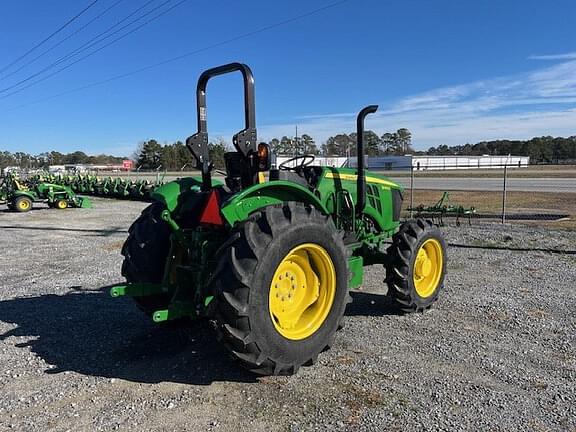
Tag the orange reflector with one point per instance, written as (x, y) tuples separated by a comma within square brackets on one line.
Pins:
[(264, 158), (211, 212)]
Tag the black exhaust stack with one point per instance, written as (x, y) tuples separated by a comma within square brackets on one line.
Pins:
[(361, 177)]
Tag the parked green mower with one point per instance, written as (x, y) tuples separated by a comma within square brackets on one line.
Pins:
[(139, 189), (272, 263), (20, 196)]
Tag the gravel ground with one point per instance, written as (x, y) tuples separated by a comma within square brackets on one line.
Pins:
[(497, 353)]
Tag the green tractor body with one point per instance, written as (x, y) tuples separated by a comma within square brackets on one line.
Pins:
[(20, 196), (271, 262)]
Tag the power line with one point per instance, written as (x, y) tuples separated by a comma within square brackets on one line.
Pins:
[(70, 21), (105, 11), (91, 53), (88, 45), (190, 53), (98, 38)]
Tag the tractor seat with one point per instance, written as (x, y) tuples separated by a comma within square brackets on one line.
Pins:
[(308, 177), (276, 174)]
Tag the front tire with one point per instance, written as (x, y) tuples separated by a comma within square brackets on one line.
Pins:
[(417, 266), (282, 288), (61, 204)]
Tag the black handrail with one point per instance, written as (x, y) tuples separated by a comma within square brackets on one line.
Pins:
[(244, 141)]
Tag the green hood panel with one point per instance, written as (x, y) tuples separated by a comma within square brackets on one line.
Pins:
[(351, 175)]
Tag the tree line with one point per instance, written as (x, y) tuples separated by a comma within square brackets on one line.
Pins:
[(152, 155), (545, 149), (43, 160), (342, 144)]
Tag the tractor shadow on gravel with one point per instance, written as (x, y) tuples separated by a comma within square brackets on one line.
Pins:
[(89, 333), (92, 334), (89, 232), (371, 304)]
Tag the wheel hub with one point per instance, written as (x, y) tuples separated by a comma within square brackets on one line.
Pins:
[(428, 268), (302, 291), (423, 264)]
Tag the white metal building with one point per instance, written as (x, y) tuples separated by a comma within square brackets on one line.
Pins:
[(331, 161), (423, 163), (468, 162)]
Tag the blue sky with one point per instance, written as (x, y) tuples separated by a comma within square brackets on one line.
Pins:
[(450, 71)]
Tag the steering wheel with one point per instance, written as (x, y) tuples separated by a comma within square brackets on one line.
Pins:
[(305, 160)]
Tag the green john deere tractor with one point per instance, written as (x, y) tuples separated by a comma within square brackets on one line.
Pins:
[(272, 262), (20, 196)]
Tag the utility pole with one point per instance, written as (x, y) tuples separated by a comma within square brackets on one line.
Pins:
[(504, 190), (296, 140)]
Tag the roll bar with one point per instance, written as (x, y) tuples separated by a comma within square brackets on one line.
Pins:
[(361, 177), (245, 141)]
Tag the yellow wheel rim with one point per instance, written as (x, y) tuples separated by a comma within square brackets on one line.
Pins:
[(302, 291), (428, 268), (62, 204), (23, 204)]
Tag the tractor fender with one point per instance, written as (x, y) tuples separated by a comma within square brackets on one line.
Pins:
[(20, 193), (170, 193), (241, 205)]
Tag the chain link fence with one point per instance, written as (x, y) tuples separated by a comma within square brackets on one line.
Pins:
[(504, 192), (497, 192)]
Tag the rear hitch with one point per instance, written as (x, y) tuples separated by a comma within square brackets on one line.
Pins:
[(137, 290)]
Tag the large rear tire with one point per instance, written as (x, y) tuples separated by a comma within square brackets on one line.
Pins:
[(145, 253), (282, 288), (415, 273)]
